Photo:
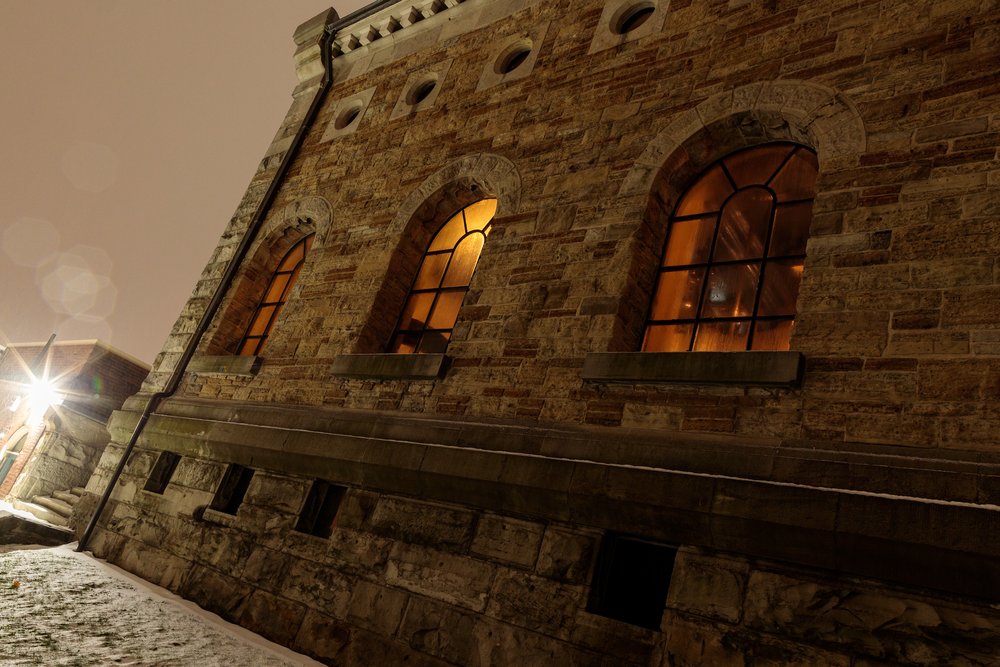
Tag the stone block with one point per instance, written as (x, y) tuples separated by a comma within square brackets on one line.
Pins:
[(266, 568), (751, 368), (216, 592), (567, 555), (322, 637), (377, 608), (441, 631), (690, 644), (708, 585), (268, 615), (280, 493), (224, 365), (453, 579), (358, 552), (317, 586), (534, 602), (198, 474), (878, 623), (441, 526), (509, 540), (389, 366)]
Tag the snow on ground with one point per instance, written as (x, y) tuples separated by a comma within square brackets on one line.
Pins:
[(72, 609)]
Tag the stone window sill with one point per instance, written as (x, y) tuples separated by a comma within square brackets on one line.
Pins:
[(226, 364), (219, 518), (387, 366), (781, 369)]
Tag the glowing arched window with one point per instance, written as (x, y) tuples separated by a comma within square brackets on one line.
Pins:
[(274, 298), (733, 256), (443, 279)]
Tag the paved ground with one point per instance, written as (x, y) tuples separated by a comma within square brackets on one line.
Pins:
[(58, 607)]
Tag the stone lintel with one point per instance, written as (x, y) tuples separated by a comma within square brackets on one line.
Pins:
[(750, 368), (385, 366), (225, 364)]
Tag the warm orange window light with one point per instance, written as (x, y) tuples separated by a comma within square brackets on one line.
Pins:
[(274, 298), (431, 309), (733, 257)]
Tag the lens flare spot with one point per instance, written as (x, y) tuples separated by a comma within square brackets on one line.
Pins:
[(90, 167), (30, 241)]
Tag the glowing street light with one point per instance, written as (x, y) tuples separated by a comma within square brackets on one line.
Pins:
[(42, 395)]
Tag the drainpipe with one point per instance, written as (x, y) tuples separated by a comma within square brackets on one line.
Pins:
[(234, 264)]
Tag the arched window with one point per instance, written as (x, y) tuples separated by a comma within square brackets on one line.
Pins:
[(733, 256), (443, 279), (11, 452), (274, 298)]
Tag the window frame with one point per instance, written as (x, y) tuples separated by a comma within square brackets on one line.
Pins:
[(440, 289), (232, 489), (162, 472), (307, 242), (710, 262)]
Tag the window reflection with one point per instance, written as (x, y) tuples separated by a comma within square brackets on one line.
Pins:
[(275, 296), (442, 281), (718, 289)]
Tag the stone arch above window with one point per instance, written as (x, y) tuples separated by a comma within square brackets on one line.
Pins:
[(801, 111), (451, 189)]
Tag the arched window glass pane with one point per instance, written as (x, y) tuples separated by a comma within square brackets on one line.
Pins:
[(442, 281), (463, 261), (718, 289), (743, 225), (275, 297), (478, 215), (707, 195)]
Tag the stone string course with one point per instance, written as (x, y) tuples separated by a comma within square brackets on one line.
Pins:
[(898, 320)]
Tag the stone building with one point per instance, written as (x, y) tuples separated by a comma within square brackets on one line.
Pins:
[(55, 399), (596, 332)]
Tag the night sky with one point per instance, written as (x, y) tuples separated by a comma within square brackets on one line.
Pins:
[(129, 130)]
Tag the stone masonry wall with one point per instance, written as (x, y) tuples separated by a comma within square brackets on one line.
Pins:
[(434, 584), (897, 320), (896, 313)]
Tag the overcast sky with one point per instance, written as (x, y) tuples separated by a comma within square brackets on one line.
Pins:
[(129, 130)]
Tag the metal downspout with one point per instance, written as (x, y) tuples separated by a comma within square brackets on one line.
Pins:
[(231, 270)]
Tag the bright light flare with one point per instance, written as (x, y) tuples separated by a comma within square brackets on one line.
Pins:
[(42, 395)]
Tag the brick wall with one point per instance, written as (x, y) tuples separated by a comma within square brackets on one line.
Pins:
[(900, 273)]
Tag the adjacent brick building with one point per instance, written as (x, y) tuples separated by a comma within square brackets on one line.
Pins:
[(644, 430), (55, 400)]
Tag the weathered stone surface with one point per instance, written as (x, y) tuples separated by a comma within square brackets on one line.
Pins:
[(880, 624), (422, 523), (534, 602), (439, 575), (566, 555), (505, 539), (322, 637), (441, 631), (377, 608), (268, 615), (318, 587), (709, 586), (283, 494)]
